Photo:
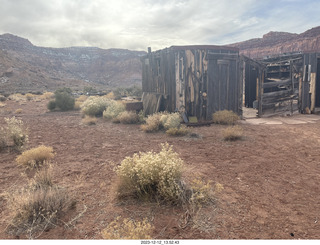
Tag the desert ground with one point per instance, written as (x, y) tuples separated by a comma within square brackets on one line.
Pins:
[(270, 178)]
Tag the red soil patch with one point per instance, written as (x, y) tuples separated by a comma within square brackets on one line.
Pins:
[(270, 178)]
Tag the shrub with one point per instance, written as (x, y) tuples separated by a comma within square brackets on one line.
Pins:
[(42, 178), (171, 120), (161, 120), (2, 98), (35, 157), (128, 117), (233, 133), (51, 105), (16, 132), (87, 120), (128, 230), (64, 100), (34, 210), (151, 175), (94, 106), (153, 123), (113, 110), (82, 98), (181, 131), (3, 139), (201, 192), (225, 117)]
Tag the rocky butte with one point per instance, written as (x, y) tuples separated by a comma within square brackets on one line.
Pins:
[(280, 42), (25, 67)]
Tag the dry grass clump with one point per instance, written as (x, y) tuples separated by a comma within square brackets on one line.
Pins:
[(128, 117), (35, 157), (181, 131), (36, 208), (95, 106), (201, 192), (113, 110), (17, 97), (225, 117), (87, 120), (2, 104), (128, 230), (151, 175), (79, 101), (30, 96), (47, 95), (18, 111), (233, 133), (161, 120), (14, 132)]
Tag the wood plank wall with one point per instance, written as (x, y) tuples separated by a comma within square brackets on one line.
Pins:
[(198, 80)]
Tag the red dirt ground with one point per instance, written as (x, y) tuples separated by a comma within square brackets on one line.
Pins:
[(270, 178)]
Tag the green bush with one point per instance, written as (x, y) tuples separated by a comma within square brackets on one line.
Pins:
[(113, 110), (64, 100), (51, 105), (95, 106), (225, 117)]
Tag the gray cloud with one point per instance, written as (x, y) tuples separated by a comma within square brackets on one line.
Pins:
[(138, 24)]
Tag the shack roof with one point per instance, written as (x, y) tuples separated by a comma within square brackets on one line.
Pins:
[(208, 47)]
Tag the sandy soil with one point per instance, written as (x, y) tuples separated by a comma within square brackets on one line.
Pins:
[(270, 178)]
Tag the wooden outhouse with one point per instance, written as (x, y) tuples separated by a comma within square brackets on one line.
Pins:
[(194, 80)]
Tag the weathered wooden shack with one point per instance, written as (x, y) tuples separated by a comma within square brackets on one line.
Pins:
[(283, 84), (194, 80)]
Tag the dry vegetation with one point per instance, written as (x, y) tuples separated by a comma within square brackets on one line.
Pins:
[(225, 117), (35, 157), (159, 194), (128, 230), (233, 133), (14, 134)]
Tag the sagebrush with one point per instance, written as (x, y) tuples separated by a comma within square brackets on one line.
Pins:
[(14, 132), (151, 175), (160, 121), (95, 106), (128, 117), (113, 110)]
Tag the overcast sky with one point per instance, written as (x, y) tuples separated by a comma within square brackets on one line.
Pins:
[(138, 24)]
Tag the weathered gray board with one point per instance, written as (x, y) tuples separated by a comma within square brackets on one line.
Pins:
[(309, 85), (197, 80), (279, 91), (253, 73)]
